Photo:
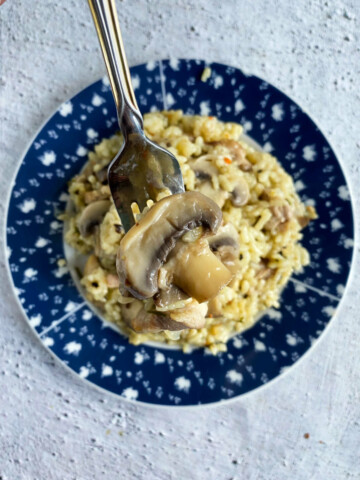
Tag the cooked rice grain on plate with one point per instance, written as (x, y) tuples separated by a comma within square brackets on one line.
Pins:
[(256, 196)]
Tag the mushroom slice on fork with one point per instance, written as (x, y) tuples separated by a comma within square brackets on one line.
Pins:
[(145, 248)]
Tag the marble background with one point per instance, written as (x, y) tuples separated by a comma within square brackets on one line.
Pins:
[(304, 426)]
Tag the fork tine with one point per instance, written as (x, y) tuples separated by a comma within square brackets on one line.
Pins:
[(126, 216), (141, 198), (123, 196)]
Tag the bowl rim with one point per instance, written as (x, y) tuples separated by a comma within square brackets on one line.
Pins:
[(221, 402)]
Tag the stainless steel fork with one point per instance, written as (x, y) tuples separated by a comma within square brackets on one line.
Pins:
[(141, 168)]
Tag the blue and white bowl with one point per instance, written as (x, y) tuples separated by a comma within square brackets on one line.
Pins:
[(64, 321)]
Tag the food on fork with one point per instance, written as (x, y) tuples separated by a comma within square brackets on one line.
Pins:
[(161, 258), (200, 266)]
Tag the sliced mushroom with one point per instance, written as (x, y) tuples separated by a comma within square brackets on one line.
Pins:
[(205, 171), (280, 217), (225, 244), (170, 298), (202, 175), (241, 194), (91, 216), (237, 152), (141, 321), (227, 236), (203, 168), (146, 246), (137, 318)]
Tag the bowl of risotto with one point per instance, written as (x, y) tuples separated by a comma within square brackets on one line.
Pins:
[(275, 232)]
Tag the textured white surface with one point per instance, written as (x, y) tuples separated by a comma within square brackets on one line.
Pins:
[(54, 426)]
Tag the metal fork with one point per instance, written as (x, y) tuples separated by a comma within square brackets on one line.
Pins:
[(141, 168)]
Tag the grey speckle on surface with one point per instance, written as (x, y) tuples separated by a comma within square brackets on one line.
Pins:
[(54, 426)]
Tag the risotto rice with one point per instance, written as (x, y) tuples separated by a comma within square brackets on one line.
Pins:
[(256, 196)]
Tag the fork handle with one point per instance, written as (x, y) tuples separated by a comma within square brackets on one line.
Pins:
[(108, 30)]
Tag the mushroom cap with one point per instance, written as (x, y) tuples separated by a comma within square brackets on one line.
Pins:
[(241, 193), (205, 171), (226, 237), (203, 168), (91, 216), (146, 246)]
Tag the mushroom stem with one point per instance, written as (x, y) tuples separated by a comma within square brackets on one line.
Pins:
[(198, 272)]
